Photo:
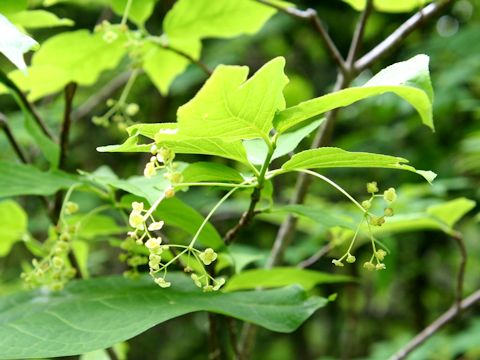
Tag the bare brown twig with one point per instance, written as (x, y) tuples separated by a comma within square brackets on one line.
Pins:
[(461, 271), (312, 16), (438, 324), (11, 139)]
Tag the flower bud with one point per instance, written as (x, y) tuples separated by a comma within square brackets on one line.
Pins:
[(351, 259), (380, 267), (170, 192), (337, 263), (132, 109), (380, 254), (71, 207), (367, 204), (369, 266), (390, 195), (388, 212)]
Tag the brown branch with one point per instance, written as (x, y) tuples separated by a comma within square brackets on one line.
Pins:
[(358, 35), (434, 327), (196, 62), (461, 271), (70, 90), (112, 354), (11, 139), (396, 38), (312, 16)]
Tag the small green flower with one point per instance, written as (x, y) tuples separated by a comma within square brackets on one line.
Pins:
[(208, 256), (390, 195), (377, 221), (351, 259), (372, 187), (366, 204), (369, 266), (380, 266), (153, 243), (157, 225), (136, 220), (132, 109), (162, 283), (71, 208), (150, 170), (380, 254), (388, 212)]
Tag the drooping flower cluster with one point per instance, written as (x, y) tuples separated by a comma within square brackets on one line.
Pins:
[(378, 255), (54, 270)]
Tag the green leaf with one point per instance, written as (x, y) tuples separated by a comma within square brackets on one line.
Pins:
[(13, 225), (391, 6), (95, 314), (207, 171), (166, 134), (8, 7), (90, 227), (76, 56), (451, 211), (233, 108), (322, 216), (200, 19), (35, 19), (13, 44), (257, 150), (139, 12), (19, 179), (440, 217), (176, 213), (329, 157), (163, 65), (409, 79), (282, 276)]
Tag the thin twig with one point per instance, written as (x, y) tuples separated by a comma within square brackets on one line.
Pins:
[(20, 96), (101, 96), (312, 16), (70, 90), (434, 327), (324, 250), (232, 333), (200, 64), (396, 38), (112, 354), (11, 139), (358, 35), (461, 271)]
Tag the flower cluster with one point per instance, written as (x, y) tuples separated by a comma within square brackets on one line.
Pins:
[(378, 255), (54, 269), (161, 256)]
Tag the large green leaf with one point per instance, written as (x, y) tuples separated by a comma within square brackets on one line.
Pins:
[(95, 314), (282, 276), (13, 44), (408, 79), (19, 179), (167, 135), (329, 157), (13, 225), (441, 217), (200, 19), (233, 108), (163, 65), (76, 56), (391, 6), (34, 19), (8, 7)]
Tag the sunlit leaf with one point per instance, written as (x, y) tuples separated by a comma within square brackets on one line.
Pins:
[(408, 79), (13, 225), (329, 157)]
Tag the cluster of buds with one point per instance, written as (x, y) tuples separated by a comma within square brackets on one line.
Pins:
[(109, 31), (54, 269), (376, 261), (119, 113)]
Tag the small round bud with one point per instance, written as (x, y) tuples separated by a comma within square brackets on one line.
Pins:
[(110, 102), (369, 266), (380, 254), (377, 221), (367, 204), (372, 187), (154, 149), (388, 212), (132, 109), (337, 263), (170, 192), (150, 170), (380, 267), (57, 262), (64, 236), (71, 208), (351, 259)]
